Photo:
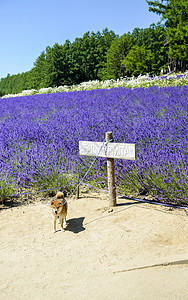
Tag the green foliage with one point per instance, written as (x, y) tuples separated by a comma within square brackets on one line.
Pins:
[(152, 39), (88, 55), (48, 183), (6, 188), (175, 13), (38, 72), (139, 60), (119, 49), (16, 83)]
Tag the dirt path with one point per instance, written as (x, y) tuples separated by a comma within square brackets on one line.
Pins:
[(119, 255)]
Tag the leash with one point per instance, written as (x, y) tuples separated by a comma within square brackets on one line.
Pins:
[(104, 144)]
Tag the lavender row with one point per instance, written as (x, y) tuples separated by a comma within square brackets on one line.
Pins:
[(39, 138)]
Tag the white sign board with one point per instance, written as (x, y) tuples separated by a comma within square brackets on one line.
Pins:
[(109, 150)]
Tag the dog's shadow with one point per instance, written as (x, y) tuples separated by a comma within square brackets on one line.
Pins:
[(75, 225)]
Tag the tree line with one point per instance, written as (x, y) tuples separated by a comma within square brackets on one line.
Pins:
[(106, 55), (101, 55)]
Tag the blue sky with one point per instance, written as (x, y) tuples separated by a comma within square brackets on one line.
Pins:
[(29, 26)]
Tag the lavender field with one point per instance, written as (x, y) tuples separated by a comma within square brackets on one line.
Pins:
[(39, 137)]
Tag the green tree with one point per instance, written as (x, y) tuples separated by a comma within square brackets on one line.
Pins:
[(38, 72), (139, 60), (75, 61), (65, 64), (116, 54), (88, 55), (104, 43), (175, 14), (152, 38), (54, 66)]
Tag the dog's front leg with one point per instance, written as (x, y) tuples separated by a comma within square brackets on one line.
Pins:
[(61, 222), (54, 224)]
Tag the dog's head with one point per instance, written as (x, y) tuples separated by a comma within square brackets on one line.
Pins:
[(56, 207)]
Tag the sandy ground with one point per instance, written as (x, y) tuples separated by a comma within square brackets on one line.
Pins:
[(138, 251)]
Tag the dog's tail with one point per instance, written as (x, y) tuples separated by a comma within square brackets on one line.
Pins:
[(59, 195)]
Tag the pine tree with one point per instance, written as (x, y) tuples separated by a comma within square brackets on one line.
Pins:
[(175, 14), (119, 49)]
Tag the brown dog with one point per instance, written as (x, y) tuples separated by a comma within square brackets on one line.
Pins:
[(59, 210)]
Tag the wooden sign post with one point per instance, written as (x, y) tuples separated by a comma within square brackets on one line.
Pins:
[(111, 175), (110, 151)]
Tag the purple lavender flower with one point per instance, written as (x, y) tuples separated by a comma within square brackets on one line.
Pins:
[(39, 137)]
